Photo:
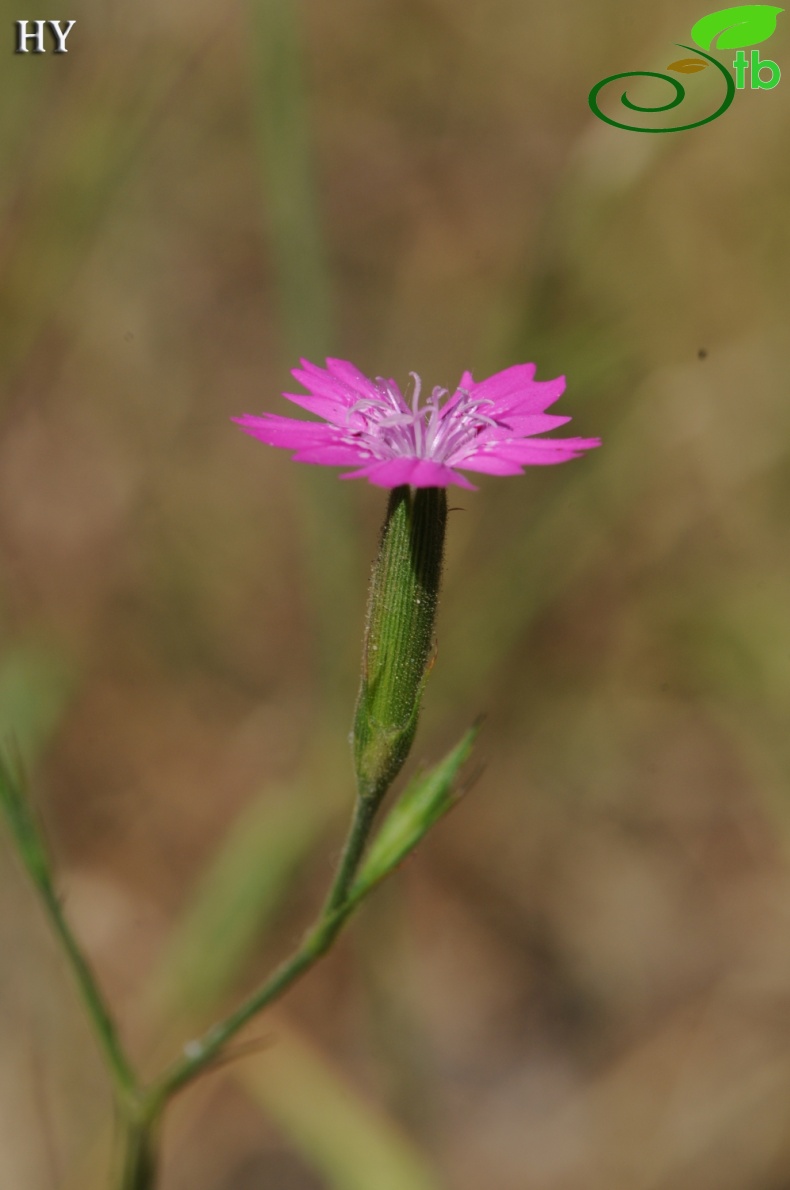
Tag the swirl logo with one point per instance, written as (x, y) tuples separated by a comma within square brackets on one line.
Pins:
[(730, 28)]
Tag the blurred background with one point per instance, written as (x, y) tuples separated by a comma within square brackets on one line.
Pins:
[(583, 977)]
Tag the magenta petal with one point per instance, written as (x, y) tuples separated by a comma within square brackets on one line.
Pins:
[(517, 425), (287, 432), (532, 398), (419, 473), (428, 474), (322, 376), (532, 452), (332, 454), (331, 408), (503, 384), (547, 458), (490, 464), (512, 393), (389, 473), (324, 385), (348, 374), (461, 481), (572, 444)]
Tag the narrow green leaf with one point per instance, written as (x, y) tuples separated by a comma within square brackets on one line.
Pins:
[(19, 812), (36, 684), (426, 799)]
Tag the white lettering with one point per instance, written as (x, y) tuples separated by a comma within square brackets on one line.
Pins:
[(22, 36), (61, 35)]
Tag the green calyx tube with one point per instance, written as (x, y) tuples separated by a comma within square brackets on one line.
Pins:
[(399, 635)]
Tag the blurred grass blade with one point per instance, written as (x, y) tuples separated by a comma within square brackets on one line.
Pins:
[(282, 124), (234, 903), (343, 1135), (21, 818), (282, 127), (36, 683), (426, 799), (66, 176)]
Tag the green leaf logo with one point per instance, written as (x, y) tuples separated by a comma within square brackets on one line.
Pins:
[(746, 24)]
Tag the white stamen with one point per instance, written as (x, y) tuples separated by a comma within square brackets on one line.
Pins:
[(389, 428), (415, 401)]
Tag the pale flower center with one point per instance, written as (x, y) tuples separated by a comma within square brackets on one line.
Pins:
[(389, 428)]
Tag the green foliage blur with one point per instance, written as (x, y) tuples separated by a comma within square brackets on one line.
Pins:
[(582, 978)]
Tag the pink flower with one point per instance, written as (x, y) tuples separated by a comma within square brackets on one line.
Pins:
[(488, 426)]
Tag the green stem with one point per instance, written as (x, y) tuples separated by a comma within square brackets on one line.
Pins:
[(139, 1156), (139, 1167), (201, 1053), (120, 1068), (396, 658), (33, 853), (364, 813)]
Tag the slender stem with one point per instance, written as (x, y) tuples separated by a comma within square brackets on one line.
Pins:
[(200, 1053), (139, 1155), (364, 812), (120, 1068), (139, 1159), (138, 1171), (32, 852)]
